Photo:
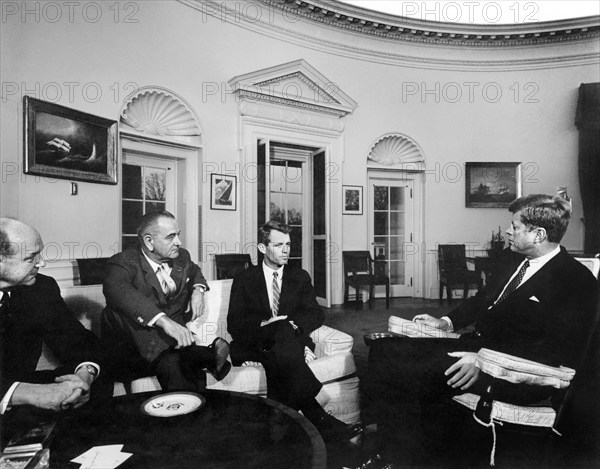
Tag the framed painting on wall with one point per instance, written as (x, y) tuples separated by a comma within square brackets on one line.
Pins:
[(353, 200), (492, 184), (223, 192), (67, 144)]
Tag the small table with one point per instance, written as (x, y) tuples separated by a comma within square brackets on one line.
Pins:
[(232, 430)]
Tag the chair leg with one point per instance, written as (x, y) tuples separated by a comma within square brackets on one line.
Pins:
[(387, 296), (441, 292), (449, 294), (346, 291), (371, 291), (357, 296), (466, 292)]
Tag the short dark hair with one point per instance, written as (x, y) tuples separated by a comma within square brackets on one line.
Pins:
[(148, 221), (544, 211), (264, 232)]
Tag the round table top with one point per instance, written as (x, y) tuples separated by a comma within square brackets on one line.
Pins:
[(230, 430)]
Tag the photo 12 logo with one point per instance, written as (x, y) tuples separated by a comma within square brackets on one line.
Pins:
[(469, 92), (67, 91), (471, 12), (70, 12)]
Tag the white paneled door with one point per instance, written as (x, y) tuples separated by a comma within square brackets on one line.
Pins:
[(390, 210)]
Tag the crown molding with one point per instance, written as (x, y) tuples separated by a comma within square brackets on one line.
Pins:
[(383, 25), (294, 21)]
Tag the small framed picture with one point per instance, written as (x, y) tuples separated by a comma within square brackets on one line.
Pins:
[(68, 144), (492, 185), (353, 200), (223, 192)]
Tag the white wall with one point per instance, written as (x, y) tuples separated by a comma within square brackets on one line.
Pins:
[(177, 47)]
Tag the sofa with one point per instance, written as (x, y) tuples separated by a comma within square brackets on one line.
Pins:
[(334, 365)]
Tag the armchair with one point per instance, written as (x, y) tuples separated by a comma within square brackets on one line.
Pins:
[(454, 273), (358, 271), (541, 422)]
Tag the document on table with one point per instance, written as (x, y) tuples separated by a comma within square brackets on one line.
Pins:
[(102, 457), (416, 329)]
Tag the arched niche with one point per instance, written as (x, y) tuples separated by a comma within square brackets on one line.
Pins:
[(160, 113), (396, 151)]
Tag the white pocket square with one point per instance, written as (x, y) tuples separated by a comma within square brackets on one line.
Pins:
[(533, 298)]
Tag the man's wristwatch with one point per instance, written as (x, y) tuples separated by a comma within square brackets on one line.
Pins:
[(199, 287)]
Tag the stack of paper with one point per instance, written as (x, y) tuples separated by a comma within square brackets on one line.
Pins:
[(417, 329)]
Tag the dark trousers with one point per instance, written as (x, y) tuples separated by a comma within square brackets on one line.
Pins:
[(183, 369), (407, 395), (289, 379)]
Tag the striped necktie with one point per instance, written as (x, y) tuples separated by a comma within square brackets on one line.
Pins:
[(276, 295), (166, 282), (514, 283)]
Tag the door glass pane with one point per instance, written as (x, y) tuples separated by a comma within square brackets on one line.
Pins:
[(277, 207), (277, 176), (380, 198), (318, 204), (156, 184), (132, 182), (396, 245), (132, 213), (294, 177), (381, 223), (397, 273), (381, 247), (396, 222), (294, 207), (396, 198)]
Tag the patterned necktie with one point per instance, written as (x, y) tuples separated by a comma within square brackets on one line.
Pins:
[(276, 294), (166, 282), (514, 283)]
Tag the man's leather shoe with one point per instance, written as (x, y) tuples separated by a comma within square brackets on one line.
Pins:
[(221, 351), (333, 430)]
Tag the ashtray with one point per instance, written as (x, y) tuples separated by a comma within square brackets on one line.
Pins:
[(376, 335), (172, 404)]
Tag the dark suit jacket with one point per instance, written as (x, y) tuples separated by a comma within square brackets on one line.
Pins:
[(37, 314), (249, 305), (546, 319), (134, 297)]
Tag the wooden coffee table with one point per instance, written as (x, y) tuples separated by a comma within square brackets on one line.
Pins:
[(231, 430)]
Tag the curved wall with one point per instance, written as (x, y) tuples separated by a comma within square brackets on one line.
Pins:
[(458, 103)]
